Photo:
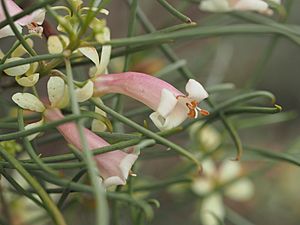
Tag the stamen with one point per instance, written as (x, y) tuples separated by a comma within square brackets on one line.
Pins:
[(132, 174), (196, 113), (192, 111), (203, 112)]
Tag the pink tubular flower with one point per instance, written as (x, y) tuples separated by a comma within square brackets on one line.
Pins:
[(31, 21), (114, 166), (171, 106)]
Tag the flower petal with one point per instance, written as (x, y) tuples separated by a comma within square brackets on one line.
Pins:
[(33, 125), (209, 169), (28, 81), (98, 125), (57, 92), (54, 45), (38, 16), (33, 67), (17, 70), (201, 186), (242, 190), (91, 53), (55, 87), (251, 5), (167, 103), (125, 165), (7, 31), (176, 117), (114, 166), (28, 101), (229, 170), (214, 6), (105, 52), (20, 50), (158, 120), (195, 90), (86, 92), (211, 208)]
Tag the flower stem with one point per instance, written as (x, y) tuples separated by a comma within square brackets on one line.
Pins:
[(98, 190), (51, 207)]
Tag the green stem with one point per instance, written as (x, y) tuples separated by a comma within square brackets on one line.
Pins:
[(53, 210), (15, 30), (98, 190), (147, 132), (19, 134), (231, 131), (27, 11), (30, 149), (205, 32), (166, 49), (174, 11), (33, 59)]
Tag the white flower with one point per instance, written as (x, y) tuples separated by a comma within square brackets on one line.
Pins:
[(25, 75), (57, 92), (212, 206), (208, 137), (58, 96), (17, 70), (56, 44), (30, 102), (239, 5), (32, 21), (91, 53), (98, 125), (173, 110)]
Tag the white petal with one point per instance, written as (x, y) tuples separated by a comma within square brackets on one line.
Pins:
[(115, 180), (65, 40), (202, 186), (90, 53), (158, 120), (127, 163), (38, 16), (33, 125), (253, 5), (86, 92), (105, 53), (176, 117), (195, 90), (7, 31), (28, 81), (20, 50), (211, 208), (106, 12), (17, 70), (229, 170), (56, 90), (209, 168), (242, 190), (54, 45), (214, 6), (167, 102), (98, 125), (209, 137), (28, 101), (33, 67)]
